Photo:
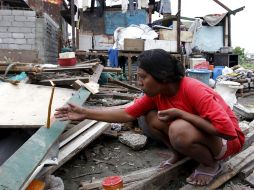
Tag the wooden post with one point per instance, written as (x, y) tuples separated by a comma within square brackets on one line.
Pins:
[(73, 24), (129, 69), (178, 27)]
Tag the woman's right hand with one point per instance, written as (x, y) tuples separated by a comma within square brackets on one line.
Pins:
[(70, 112)]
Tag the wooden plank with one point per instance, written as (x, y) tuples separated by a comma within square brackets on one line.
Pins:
[(250, 179), (128, 178), (64, 81), (26, 105), (72, 148), (124, 84), (160, 178), (75, 131), (231, 168), (19, 167)]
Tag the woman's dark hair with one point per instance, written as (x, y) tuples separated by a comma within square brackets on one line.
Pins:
[(161, 65)]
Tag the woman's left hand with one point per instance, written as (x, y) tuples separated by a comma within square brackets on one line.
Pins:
[(170, 114)]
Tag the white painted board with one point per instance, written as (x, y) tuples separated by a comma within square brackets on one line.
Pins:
[(26, 105)]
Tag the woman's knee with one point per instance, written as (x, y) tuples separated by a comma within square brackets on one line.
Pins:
[(153, 122), (179, 135)]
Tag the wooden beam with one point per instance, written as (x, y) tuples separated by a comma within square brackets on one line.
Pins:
[(124, 84), (159, 178), (222, 5)]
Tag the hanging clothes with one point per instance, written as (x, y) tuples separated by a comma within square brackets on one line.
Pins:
[(113, 57), (124, 6), (165, 7)]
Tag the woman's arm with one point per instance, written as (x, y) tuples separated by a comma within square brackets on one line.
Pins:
[(73, 112), (195, 120)]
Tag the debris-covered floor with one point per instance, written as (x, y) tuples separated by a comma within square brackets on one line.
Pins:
[(107, 156)]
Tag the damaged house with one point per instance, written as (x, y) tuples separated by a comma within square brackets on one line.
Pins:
[(32, 31)]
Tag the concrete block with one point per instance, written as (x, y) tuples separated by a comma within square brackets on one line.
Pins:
[(13, 46), (5, 35), (133, 140), (8, 40), (5, 12), (4, 46), (18, 35), (30, 36), (31, 19), (29, 24), (30, 41), (19, 30), (17, 12), (3, 29), (17, 24), (5, 24), (30, 13), (20, 41), (8, 18), (25, 46), (20, 18)]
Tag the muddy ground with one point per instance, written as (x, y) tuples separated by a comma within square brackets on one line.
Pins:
[(107, 156)]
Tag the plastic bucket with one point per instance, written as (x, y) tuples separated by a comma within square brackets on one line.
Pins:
[(202, 75), (217, 71)]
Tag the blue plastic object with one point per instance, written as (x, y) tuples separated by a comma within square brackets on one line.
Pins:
[(217, 71), (202, 75)]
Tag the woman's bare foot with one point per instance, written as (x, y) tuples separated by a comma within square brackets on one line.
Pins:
[(203, 175)]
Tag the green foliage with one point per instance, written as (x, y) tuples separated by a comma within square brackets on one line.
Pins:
[(241, 53)]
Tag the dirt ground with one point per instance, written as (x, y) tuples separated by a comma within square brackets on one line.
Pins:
[(107, 156)]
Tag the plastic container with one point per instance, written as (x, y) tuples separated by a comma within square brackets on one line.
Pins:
[(202, 75), (112, 183), (67, 61), (217, 71)]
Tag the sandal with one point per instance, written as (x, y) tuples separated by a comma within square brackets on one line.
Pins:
[(199, 172)]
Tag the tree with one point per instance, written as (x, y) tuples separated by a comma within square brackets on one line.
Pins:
[(241, 53)]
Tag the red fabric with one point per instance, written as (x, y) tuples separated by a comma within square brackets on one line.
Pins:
[(196, 98)]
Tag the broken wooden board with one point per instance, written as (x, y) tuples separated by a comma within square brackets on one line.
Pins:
[(76, 145), (124, 84), (26, 105), (159, 178), (231, 168), (20, 166), (250, 179)]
